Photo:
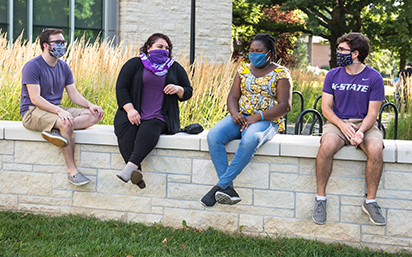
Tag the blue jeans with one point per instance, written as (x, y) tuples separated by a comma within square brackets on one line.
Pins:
[(250, 140)]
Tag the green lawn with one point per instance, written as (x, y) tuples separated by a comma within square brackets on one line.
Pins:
[(23, 234)]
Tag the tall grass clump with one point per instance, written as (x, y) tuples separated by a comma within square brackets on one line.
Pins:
[(310, 85), (96, 66), (95, 69), (211, 85), (405, 114), (12, 59)]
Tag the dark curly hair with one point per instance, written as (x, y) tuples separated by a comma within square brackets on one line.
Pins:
[(269, 42), (152, 39)]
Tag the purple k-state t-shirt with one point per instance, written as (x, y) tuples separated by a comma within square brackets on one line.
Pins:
[(352, 93), (52, 81)]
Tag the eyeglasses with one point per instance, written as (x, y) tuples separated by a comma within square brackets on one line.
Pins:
[(340, 49), (58, 42)]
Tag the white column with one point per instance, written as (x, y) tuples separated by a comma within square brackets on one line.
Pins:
[(72, 18), (310, 49), (10, 21), (105, 19), (29, 19)]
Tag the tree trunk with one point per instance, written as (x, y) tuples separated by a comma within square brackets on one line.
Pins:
[(336, 21)]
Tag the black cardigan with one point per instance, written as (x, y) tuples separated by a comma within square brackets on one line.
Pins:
[(129, 90)]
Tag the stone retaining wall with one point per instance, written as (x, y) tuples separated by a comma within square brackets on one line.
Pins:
[(277, 187)]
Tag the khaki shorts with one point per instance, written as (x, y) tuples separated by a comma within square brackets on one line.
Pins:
[(372, 132), (39, 120)]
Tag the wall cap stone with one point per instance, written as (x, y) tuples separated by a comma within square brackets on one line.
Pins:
[(281, 145)]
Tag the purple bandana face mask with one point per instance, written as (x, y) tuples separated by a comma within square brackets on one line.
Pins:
[(158, 61), (158, 56)]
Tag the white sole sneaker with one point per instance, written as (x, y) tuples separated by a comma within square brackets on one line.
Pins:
[(223, 198), (54, 138)]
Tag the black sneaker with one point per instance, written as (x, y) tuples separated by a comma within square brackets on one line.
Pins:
[(209, 199), (227, 196)]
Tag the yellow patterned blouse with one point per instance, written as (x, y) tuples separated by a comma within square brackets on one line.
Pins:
[(259, 94)]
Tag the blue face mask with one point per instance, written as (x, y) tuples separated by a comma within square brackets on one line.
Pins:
[(258, 59)]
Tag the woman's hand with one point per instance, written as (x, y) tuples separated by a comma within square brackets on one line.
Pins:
[(251, 119), (238, 118), (173, 89), (134, 117)]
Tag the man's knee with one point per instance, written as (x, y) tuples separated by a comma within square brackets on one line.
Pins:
[(64, 127), (93, 119), (330, 144), (373, 148)]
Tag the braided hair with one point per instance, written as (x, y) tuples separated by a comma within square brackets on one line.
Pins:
[(269, 42)]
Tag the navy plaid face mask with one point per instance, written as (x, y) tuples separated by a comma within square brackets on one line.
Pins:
[(344, 59)]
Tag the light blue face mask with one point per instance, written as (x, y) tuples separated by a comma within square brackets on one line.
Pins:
[(58, 50), (258, 59)]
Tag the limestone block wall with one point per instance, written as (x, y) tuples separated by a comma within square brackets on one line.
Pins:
[(139, 19), (277, 188)]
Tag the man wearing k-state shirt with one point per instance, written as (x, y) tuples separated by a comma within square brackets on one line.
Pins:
[(351, 99)]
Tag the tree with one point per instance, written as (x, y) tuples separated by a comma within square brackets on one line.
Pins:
[(389, 26), (250, 19), (330, 18)]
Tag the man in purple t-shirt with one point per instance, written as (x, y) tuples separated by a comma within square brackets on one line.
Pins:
[(43, 80), (351, 99)]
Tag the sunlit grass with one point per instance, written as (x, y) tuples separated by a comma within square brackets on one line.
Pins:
[(96, 67), (404, 131), (25, 234)]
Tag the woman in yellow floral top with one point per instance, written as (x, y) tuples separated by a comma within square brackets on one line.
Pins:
[(261, 95)]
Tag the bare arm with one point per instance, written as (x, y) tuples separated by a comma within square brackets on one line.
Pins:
[(348, 129), (233, 102), (78, 99), (40, 102), (367, 123)]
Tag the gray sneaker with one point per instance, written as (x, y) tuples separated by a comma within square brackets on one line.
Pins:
[(78, 179), (319, 213), (374, 212), (54, 137)]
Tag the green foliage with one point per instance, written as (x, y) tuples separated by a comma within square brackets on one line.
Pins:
[(25, 234), (404, 130), (384, 61), (300, 55), (329, 19), (251, 18), (389, 26)]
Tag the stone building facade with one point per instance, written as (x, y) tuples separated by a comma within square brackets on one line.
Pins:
[(139, 19)]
